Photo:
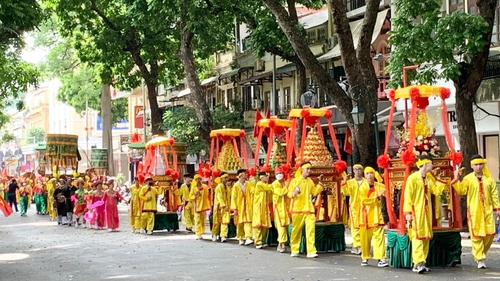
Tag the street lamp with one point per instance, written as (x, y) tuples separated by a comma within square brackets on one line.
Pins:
[(358, 116)]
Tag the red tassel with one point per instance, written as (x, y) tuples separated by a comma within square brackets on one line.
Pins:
[(392, 94), (445, 93), (340, 166), (456, 158), (414, 94), (383, 161), (408, 157)]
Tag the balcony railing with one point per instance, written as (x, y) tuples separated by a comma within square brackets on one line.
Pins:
[(354, 4)]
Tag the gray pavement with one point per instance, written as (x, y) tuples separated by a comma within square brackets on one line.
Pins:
[(33, 248)]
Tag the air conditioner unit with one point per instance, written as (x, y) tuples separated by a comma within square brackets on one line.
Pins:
[(259, 65), (332, 42)]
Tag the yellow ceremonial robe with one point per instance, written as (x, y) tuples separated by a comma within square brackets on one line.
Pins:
[(371, 221), (242, 202), (302, 210), (221, 205), (480, 204), (417, 201), (148, 207), (281, 204), (351, 189), (261, 215), (201, 204), (187, 210), (50, 200), (135, 206)]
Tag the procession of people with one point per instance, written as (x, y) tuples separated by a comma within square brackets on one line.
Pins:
[(256, 205)]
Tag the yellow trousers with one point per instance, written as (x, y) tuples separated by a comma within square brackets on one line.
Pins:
[(188, 215), (282, 234), (356, 238), (220, 229), (199, 221), (480, 247), (148, 220), (244, 231), (259, 234), (135, 222), (298, 222), (50, 208), (372, 237), (419, 248)]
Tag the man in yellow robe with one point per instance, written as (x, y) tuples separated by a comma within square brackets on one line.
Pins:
[(221, 216), (135, 210), (371, 221), (241, 207), (199, 195), (51, 209), (148, 195), (187, 205), (300, 190), (261, 217), (281, 205), (350, 188), (483, 206), (417, 208)]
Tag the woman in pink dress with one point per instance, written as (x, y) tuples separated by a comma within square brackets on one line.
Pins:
[(98, 195), (111, 206)]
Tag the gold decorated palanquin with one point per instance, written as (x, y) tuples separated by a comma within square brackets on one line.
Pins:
[(416, 142), (329, 203), (396, 180), (162, 162), (61, 154)]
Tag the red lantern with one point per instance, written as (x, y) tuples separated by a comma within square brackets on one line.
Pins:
[(172, 141)]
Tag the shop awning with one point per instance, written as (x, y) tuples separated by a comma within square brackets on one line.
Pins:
[(210, 80), (356, 28), (229, 73), (184, 92), (286, 68), (257, 77)]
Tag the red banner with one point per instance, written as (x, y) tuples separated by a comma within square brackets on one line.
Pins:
[(348, 141), (138, 117)]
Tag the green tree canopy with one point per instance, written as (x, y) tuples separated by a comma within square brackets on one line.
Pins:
[(35, 132), (184, 126), (80, 82), (16, 18)]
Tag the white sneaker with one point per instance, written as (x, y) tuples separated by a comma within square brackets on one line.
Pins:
[(294, 255), (150, 233), (199, 237), (242, 242), (258, 246), (281, 249), (223, 239), (248, 242), (312, 255), (481, 264), (214, 238), (382, 263)]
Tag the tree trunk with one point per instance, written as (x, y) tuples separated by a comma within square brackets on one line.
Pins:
[(107, 136), (156, 118), (357, 75), (197, 97), (301, 88)]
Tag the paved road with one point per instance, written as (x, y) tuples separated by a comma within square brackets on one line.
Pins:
[(34, 248)]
